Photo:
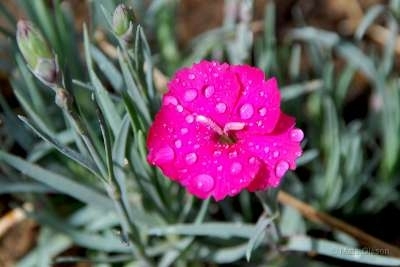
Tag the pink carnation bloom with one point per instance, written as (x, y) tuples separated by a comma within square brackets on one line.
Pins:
[(221, 130)]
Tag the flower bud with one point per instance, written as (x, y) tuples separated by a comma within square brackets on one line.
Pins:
[(37, 53), (123, 20)]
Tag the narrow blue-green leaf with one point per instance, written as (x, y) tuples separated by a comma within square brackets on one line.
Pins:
[(11, 187), (108, 68), (107, 16), (328, 248), (119, 156), (224, 255), (148, 65), (260, 229), (348, 51), (41, 149), (221, 230), (368, 18), (107, 106), (389, 51), (58, 182), (54, 246), (133, 89), (308, 156), (70, 153), (104, 242), (23, 137), (293, 91)]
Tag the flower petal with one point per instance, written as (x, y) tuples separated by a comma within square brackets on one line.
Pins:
[(278, 150), (188, 151), (228, 170), (259, 101), (207, 88)]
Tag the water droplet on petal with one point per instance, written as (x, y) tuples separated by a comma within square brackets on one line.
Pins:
[(281, 168), (262, 112), (233, 154), (252, 160), (189, 118), (204, 182), (236, 168), (170, 100), (217, 153), (178, 143), (191, 158), (179, 108), (184, 130), (266, 149), (191, 76), (246, 111), (164, 155), (190, 95), (276, 154), (296, 135), (209, 91), (219, 168), (221, 107)]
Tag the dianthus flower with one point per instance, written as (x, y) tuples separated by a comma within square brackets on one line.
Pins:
[(220, 130)]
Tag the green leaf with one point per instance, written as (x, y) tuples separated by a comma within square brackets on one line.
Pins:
[(133, 89), (58, 182), (260, 230), (369, 17), (108, 68), (54, 245), (10, 187), (339, 251), (107, 106), (221, 230), (70, 153)]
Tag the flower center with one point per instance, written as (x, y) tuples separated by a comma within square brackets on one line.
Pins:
[(225, 135)]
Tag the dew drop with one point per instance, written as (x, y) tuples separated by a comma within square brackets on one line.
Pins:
[(191, 76), (178, 143), (262, 112), (170, 100), (246, 111), (266, 149), (236, 168), (276, 154), (296, 135), (217, 153), (190, 95), (191, 158), (281, 168), (179, 108), (164, 155), (219, 168), (233, 154), (209, 91), (252, 160), (189, 118), (221, 107), (184, 130), (204, 182)]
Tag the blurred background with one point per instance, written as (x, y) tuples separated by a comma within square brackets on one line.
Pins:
[(337, 63)]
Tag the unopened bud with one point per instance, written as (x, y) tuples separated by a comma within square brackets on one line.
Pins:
[(123, 20), (37, 53)]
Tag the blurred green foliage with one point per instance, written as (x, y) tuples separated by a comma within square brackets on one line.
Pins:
[(124, 212)]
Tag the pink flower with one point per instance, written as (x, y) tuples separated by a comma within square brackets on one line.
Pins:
[(220, 130)]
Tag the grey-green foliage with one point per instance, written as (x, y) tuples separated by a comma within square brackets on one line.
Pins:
[(125, 210)]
